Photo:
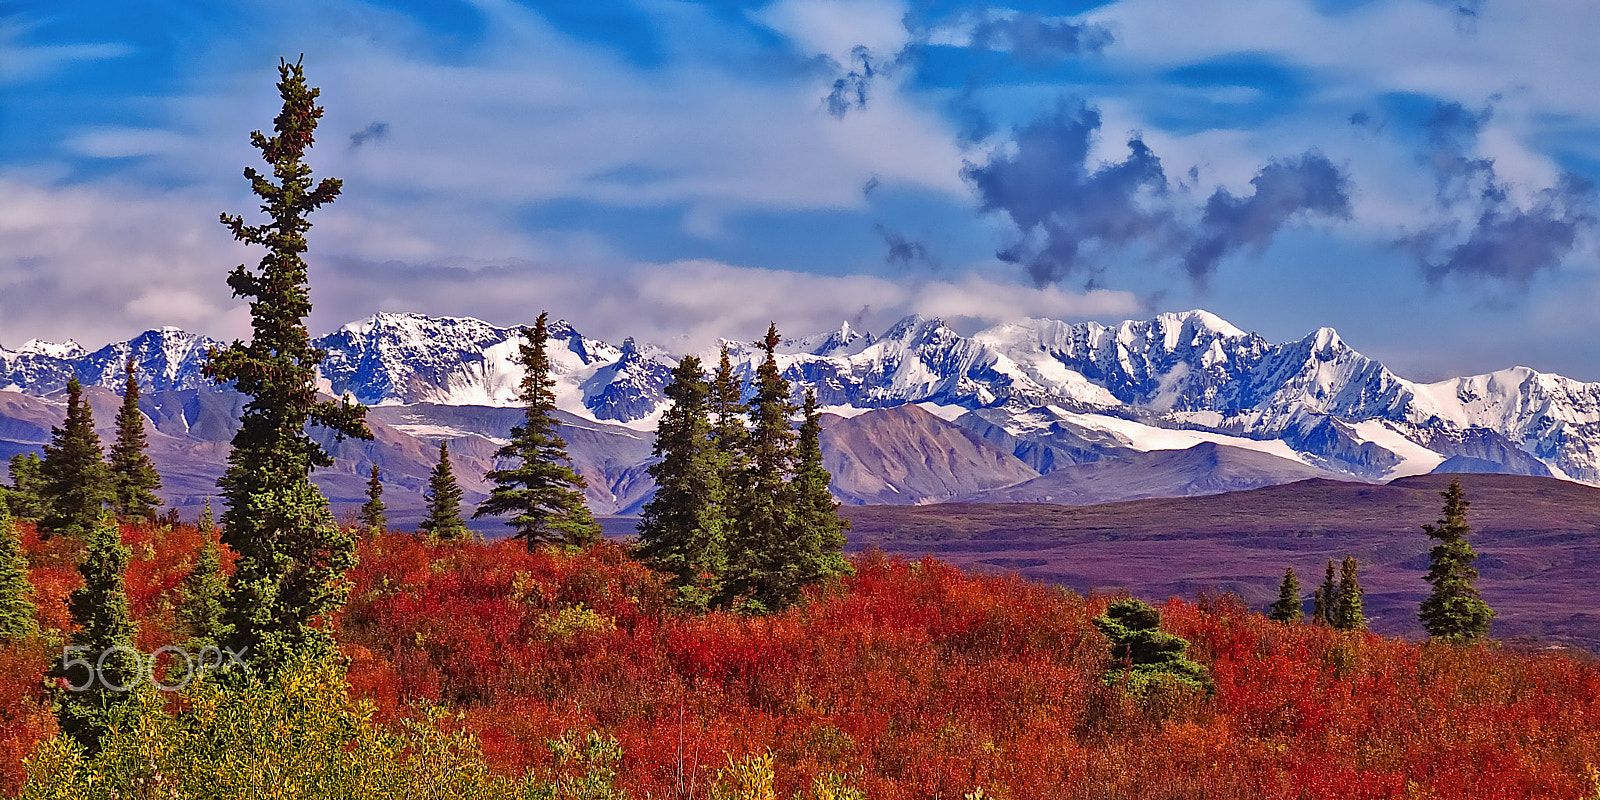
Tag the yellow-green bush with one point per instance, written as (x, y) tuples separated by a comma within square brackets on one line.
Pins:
[(299, 737)]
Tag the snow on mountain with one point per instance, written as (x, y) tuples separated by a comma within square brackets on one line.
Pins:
[(1053, 393)]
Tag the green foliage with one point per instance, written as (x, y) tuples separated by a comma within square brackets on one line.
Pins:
[(1348, 609), (683, 529), (761, 572), (25, 497), (1287, 608), (133, 476), (105, 637), (1146, 657), (373, 522), (200, 616), (443, 522), (543, 491), (206, 523), (585, 769), (292, 557), (74, 481), (1453, 611), (819, 535), (18, 616), (1329, 595), (296, 737)]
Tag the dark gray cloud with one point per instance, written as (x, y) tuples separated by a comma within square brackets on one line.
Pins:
[(1063, 205), (1482, 231), (1308, 185), (1037, 41), (373, 132), (904, 252), (850, 90), (1071, 214)]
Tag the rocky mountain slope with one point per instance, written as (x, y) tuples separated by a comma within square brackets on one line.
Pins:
[(1012, 403)]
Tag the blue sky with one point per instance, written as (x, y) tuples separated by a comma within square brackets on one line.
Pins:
[(1418, 174)]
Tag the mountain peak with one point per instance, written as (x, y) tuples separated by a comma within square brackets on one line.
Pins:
[(39, 347)]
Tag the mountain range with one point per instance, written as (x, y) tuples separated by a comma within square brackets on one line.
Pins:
[(1038, 410)]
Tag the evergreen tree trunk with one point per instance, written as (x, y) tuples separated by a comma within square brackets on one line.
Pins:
[(1453, 611), (104, 640), (133, 476), (443, 522), (292, 558), (1349, 611), (543, 491), (373, 522), (19, 619), (73, 474), (1287, 609), (684, 527)]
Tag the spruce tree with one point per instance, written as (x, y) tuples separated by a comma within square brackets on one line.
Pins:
[(373, 522), (1145, 655), (292, 558), (1330, 595), (104, 640), (543, 491), (819, 533), (206, 523), (683, 529), (133, 476), (1319, 607), (1453, 611), (18, 616), (200, 614), (762, 574), (1287, 609), (25, 497), (75, 481), (444, 502), (727, 411), (1348, 610)]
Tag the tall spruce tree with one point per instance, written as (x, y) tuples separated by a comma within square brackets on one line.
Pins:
[(133, 476), (18, 616), (543, 491), (291, 556), (1349, 609), (1453, 611), (373, 521), (762, 574), (683, 529), (25, 497), (1287, 608), (443, 522), (75, 481), (1329, 594), (819, 530), (108, 665)]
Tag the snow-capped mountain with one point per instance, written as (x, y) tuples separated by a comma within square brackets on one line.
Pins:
[(1049, 393)]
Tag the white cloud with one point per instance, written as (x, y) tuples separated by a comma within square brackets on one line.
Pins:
[(835, 27), (21, 62)]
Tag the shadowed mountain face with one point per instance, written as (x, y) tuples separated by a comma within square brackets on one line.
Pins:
[(1538, 539), (906, 455), (1206, 468)]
